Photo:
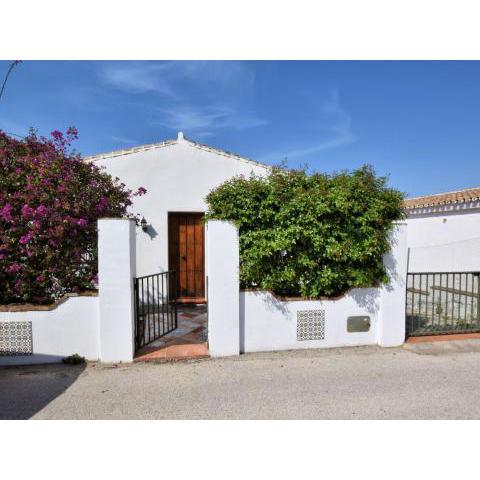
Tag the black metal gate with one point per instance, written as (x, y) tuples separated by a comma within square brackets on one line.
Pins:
[(155, 307), (442, 303)]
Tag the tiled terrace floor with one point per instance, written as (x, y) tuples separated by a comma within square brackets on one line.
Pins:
[(188, 340)]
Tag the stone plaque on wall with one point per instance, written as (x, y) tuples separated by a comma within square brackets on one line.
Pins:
[(358, 324)]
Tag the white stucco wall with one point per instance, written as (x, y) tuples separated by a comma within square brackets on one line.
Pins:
[(223, 288), (72, 327), (116, 271), (440, 228), (461, 256), (391, 328), (267, 323), (444, 241), (177, 176)]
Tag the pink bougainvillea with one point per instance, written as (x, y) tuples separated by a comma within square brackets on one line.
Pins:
[(50, 201)]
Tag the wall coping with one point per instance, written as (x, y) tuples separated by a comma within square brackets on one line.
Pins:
[(304, 299), (117, 218), (30, 307)]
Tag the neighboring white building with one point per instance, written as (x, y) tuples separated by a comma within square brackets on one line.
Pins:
[(178, 174), (444, 232)]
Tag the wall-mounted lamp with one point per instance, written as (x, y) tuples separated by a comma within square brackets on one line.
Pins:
[(144, 224)]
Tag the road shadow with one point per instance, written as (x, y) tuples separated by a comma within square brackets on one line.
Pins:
[(25, 390)]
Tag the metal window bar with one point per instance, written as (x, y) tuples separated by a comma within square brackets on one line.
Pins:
[(441, 303), (155, 307)]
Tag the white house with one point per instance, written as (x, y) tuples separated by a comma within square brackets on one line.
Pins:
[(178, 174), (444, 232), (133, 311)]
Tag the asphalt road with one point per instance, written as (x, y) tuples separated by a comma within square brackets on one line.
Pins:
[(421, 382)]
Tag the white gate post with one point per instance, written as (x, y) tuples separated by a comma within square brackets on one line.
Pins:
[(223, 288), (391, 328), (116, 270)]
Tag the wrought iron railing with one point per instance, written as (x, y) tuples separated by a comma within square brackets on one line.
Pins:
[(155, 307), (439, 303)]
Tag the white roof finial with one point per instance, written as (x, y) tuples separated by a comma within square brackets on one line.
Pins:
[(180, 137)]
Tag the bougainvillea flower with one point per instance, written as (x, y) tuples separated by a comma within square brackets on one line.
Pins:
[(6, 213), (26, 238), (13, 268), (50, 201), (27, 211)]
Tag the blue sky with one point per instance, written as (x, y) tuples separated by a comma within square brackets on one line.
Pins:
[(419, 122)]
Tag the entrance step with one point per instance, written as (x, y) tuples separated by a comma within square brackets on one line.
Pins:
[(173, 351)]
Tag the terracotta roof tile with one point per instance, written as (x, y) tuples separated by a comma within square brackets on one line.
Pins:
[(460, 196)]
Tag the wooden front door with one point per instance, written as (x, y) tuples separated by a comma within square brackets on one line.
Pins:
[(187, 255)]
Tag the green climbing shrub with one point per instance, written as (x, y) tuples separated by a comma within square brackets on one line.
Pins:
[(310, 235)]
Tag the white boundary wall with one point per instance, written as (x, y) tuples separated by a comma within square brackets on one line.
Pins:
[(97, 328), (72, 327), (102, 328), (223, 287), (391, 325), (266, 323), (116, 271)]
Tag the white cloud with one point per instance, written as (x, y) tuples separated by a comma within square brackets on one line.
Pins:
[(124, 140), (333, 129), (190, 118), (327, 144), (137, 77), (197, 97), (203, 98)]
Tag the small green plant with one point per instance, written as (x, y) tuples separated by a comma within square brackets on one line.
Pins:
[(74, 359), (310, 235)]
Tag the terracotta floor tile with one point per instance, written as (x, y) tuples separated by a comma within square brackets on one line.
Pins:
[(187, 324), (182, 341), (187, 341), (198, 330), (179, 332), (199, 321), (192, 338)]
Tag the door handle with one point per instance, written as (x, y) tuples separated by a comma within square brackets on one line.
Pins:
[(184, 257)]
